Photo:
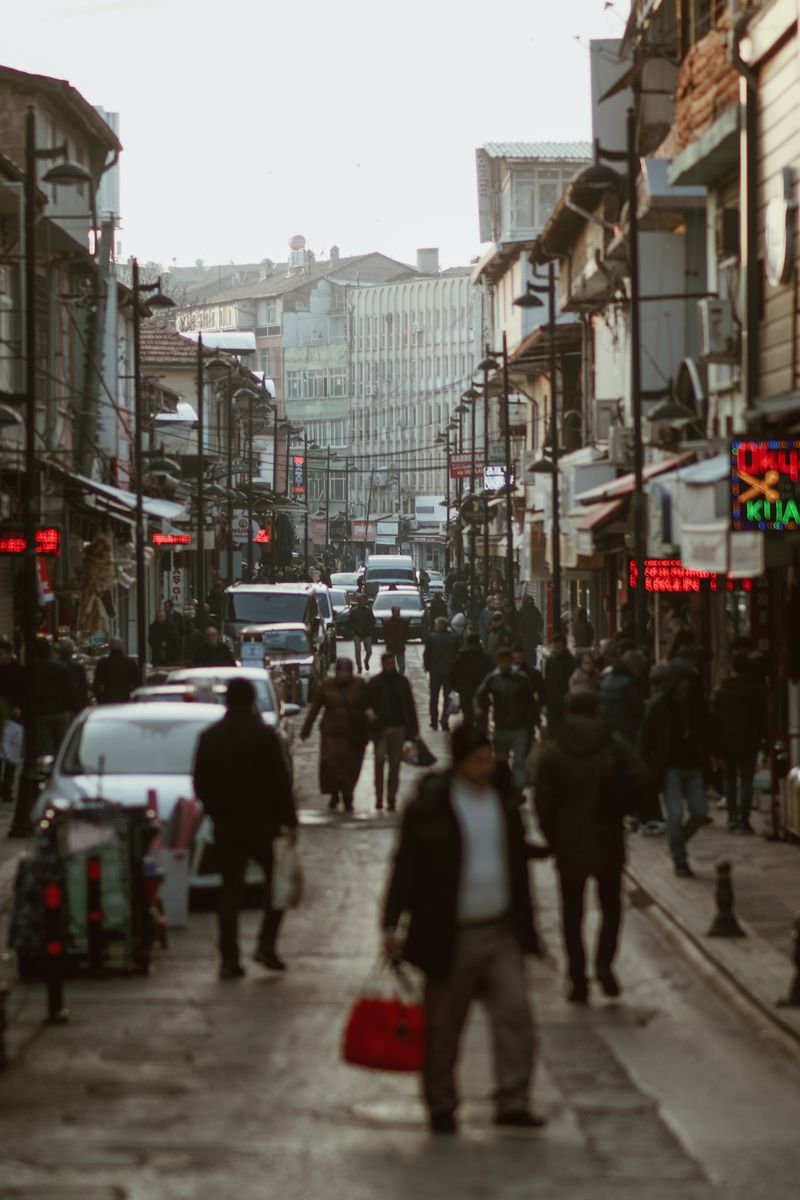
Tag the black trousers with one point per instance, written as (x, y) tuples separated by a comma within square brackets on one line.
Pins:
[(609, 893), (235, 849), (7, 771), (438, 684)]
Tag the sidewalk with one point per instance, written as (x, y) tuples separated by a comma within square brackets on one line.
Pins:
[(766, 884)]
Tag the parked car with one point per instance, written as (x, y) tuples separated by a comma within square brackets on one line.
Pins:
[(341, 600), (249, 604), (436, 583), (346, 579), (412, 609), (289, 653), (122, 752), (328, 627)]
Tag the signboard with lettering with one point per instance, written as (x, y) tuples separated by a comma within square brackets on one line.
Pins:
[(765, 485), (172, 539), (362, 532), (48, 541), (495, 477), (461, 466), (298, 475), (670, 575)]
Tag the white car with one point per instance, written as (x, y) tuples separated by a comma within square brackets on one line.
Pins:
[(436, 584), (411, 607)]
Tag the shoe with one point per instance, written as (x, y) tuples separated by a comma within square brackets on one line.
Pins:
[(231, 971), (746, 827), (445, 727), (366, 663), (520, 1119), (443, 1123), (684, 871), (608, 981), (392, 806), (434, 726), (348, 806), (333, 804), (360, 671), (578, 993), (270, 960), (379, 806)]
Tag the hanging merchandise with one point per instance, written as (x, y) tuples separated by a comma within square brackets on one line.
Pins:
[(44, 586), (97, 579)]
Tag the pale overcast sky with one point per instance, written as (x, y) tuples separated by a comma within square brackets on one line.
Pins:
[(353, 122)]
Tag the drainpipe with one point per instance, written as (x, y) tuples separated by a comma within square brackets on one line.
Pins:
[(748, 218)]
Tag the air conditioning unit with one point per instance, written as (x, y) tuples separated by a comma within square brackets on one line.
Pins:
[(620, 446), (717, 331)]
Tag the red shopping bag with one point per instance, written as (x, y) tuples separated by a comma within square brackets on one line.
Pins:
[(386, 1032)]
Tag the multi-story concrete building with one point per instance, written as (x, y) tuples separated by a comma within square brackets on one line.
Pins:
[(414, 344)]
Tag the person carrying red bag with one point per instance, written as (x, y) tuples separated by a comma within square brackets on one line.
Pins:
[(460, 876)]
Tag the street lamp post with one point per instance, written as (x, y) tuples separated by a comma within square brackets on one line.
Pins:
[(327, 498), (472, 395), (485, 368), (201, 566), (248, 394), (493, 362), (219, 363)]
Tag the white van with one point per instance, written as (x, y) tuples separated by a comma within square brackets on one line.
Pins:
[(386, 569)]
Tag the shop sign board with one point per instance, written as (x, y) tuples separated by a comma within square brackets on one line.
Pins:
[(363, 532), (474, 510), (387, 529), (239, 529), (318, 531), (177, 585), (48, 541), (765, 485), (298, 475), (670, 575), (461, 466), (494, 478), (172, 539)]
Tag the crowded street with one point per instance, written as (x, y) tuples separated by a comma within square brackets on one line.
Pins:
[(180, 1082)]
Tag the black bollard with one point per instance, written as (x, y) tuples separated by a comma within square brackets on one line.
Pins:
[(793, 999), (54, 950), (4, 990), (725, 923)]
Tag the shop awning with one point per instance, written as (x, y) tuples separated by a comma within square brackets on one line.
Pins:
[(595, 516), (777, 408), (623, 486), (114, 499)]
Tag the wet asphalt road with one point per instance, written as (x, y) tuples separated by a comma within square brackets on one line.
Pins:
[(180, 1085)]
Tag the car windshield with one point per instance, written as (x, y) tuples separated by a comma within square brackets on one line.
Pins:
[(338, 599), (389, 600), (267, 608), (288, 641), (389, 574), (133, 747), (324, 602)]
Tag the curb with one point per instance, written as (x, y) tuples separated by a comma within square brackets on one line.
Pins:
[(704, 951)]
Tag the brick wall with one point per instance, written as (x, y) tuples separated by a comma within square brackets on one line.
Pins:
[(707, 85)]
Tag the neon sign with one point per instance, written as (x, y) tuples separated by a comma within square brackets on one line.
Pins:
[(172, 539), (48, 541), (765, 485), (298, 475), (263, 537), (670, 575)]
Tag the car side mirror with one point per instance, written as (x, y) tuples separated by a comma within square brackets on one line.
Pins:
[(290, 710), (44, 766)]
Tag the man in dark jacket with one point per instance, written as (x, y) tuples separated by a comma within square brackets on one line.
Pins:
[(213, 653), (395, 635), (13, 687), (621, 700), (241, 778), (739, 711), (468, 672), (115, 676), (164, 641), (77, 674), (55, 699), (361, 622), (392, 714), (510, 696), (675, 743), (586, 779), (557, 670), (460, 876), (439, 655), (437, 607), (530, 624)]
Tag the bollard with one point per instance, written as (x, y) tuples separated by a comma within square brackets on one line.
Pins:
[(793, 999), (725, 923), (94, 913), (4, 990), (54, 949)]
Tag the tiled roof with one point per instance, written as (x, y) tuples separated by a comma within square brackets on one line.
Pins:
[(279, 285), (548, 150), (160, 344)]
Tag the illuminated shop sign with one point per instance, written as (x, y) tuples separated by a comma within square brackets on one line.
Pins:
[(298, 475), (765, 485), (670, 575), (48, 541), (263, 537), (172, 539)]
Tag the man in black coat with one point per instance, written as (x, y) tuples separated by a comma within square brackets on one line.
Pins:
[(441, 648), (361, 622), (164, 641), (558, 667), (392, 714), (55, 699), (77, 674), (241, 778), (586, 779), (460, 876), (115, 676), (13, 687), (468, 672), (739, 711), (509, 694), (213, 652)]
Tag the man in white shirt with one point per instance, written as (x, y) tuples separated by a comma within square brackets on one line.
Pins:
[(460, 875)]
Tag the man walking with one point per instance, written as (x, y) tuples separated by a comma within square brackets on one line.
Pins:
[(675, 743), (509, 695), (557, 671), (115, 676), (586, 779), (12, 703), (213, 652), (739, 710), (468, 672), (395, 635), (392, 714), (164, 643), (460, 876), (362, 625), (441, 648), (241, 778), (65, 648)]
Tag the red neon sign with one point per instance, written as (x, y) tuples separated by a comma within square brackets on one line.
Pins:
[(48, 541), (670, 575), (172, 539), (263, 537)]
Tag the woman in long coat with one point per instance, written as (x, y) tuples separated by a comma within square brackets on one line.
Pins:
[(343, 733)]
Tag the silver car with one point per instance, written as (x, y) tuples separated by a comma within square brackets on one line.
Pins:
[(411, 608)]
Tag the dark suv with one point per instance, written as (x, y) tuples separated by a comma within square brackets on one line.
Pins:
[(248, 604)]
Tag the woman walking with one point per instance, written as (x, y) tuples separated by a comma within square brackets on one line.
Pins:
[(585, 677), (343, 733)]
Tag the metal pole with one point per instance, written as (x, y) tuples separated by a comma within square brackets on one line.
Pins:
[(327, 500), (447, 505), (486, 456), (201, 588), (472, 531), (138, 432), (26, 790), (305, 517), (275, 450), (346, 545), (230, 473), (509, 499), (637, 500), (555, 501), (459, 497), (250, 487), (288, 440)]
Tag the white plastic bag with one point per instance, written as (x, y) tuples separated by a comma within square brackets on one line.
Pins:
[(287, 874), (12, 741)]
